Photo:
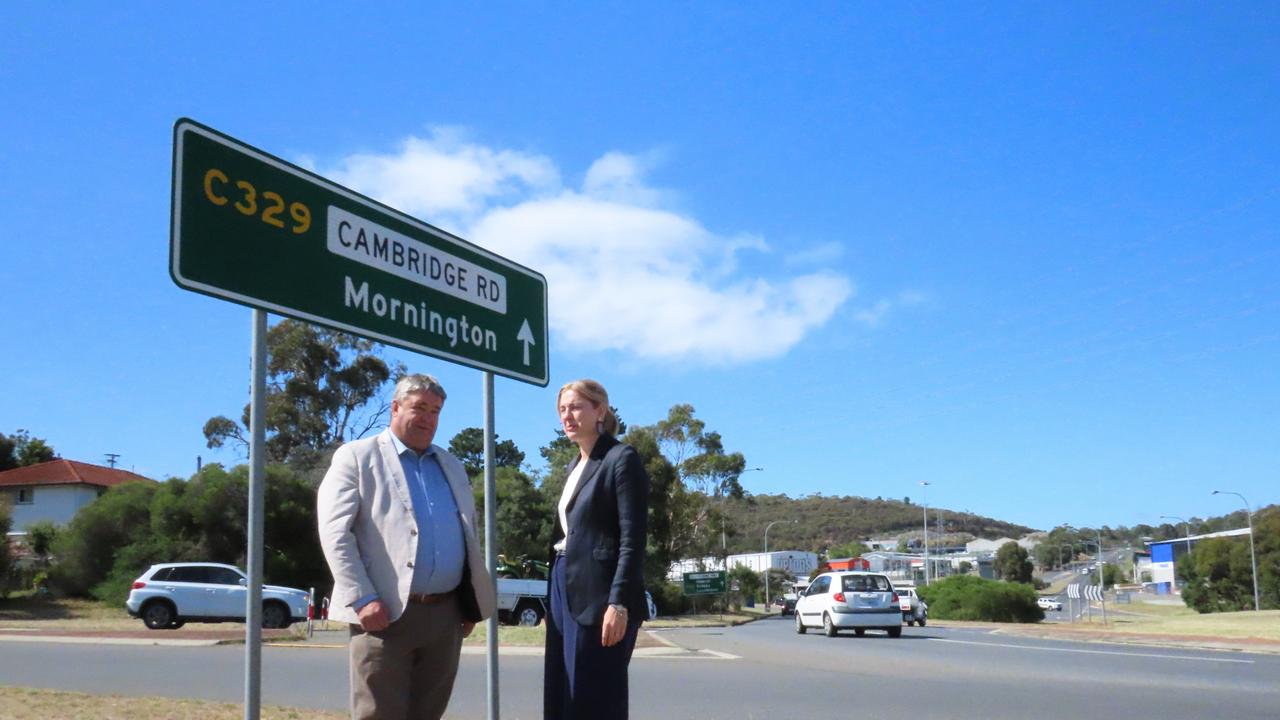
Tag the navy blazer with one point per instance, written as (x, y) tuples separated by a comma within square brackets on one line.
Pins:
[(608, 516)]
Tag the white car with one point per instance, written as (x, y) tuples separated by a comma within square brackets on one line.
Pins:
[(915, 611), (855, 601), (170, 594), (1048, 603)]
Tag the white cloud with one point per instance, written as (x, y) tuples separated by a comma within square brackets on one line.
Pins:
[(624, 274), (445, 179), (875, 314), (819, 255)]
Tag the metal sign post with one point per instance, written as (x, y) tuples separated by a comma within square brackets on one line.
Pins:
[(490, 546), (257, 524)]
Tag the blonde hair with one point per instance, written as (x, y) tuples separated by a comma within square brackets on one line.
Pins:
[(594, 392)]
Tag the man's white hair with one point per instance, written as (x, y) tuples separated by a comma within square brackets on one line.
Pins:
[(418, 382)]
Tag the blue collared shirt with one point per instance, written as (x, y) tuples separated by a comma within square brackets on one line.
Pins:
[(441, 549)]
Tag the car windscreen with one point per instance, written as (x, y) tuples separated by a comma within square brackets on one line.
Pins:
[(866, 583)]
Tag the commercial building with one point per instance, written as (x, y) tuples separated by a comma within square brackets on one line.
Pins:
[(797, 562), (1165, 554)]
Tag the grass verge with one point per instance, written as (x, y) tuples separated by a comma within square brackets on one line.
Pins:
[(64, 614), (32, 704), (1143, 618)]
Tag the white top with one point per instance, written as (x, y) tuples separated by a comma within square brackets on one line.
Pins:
[(570, 485)]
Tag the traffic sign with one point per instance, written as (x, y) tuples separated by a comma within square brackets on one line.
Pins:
[(254, 229), (704, 583)]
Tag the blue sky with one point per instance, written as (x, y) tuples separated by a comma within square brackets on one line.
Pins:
[(1028, 254)]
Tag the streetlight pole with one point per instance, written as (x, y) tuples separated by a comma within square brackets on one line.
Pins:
[(1099, 562), (925, 484), (1070, 554), (1253, 558), (768, 565), (1186, 528)]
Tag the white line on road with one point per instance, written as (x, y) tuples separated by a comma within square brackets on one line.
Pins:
[(1092, 652)]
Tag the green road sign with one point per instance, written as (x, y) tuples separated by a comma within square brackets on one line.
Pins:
[(704, 583), (251, 228)]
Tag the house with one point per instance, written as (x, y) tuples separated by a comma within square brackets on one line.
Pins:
[(56, 490)]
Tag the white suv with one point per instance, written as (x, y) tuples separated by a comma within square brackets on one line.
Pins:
[(170, 594), (849, 600)]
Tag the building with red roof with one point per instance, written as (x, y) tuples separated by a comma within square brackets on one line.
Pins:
[(56, 490)]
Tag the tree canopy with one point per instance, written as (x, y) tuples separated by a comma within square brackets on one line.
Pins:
[(20, 449), (468, 446), (324, 387), (1012, 563)]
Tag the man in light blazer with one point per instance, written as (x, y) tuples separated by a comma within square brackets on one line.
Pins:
[(397, 525)]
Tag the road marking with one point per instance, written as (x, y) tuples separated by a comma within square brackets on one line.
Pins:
[(1093, 652), (689, 655)]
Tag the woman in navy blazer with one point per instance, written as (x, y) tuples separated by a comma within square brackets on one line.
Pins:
[(597, 597)]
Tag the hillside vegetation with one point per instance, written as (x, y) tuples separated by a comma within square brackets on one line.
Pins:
[(831, 521)]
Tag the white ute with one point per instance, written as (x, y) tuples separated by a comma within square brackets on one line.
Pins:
[(915, 611)]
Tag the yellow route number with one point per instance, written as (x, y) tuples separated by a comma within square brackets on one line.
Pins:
[(217, 188)]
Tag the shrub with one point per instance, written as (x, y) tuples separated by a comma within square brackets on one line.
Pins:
[(670, 598), (965, 597)]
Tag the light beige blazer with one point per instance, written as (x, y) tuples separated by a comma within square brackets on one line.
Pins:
[(369, 533)]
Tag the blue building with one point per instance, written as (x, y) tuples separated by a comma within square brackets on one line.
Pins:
[(1165, 554)]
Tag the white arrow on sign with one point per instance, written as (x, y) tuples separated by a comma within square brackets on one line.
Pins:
[(526, 336)]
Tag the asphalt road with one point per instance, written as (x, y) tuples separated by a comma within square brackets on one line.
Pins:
[(754, 671)]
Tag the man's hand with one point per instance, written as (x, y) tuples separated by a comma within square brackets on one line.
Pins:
[(374, 616), (615, 626), (467, 627)]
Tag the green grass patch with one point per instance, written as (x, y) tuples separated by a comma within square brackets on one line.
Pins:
[(64, 614), (1264, 625), (32, 704)]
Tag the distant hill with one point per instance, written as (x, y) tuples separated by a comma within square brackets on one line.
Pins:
[(826, 521)]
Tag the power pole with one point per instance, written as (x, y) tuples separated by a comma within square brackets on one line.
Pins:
[(111, 459)]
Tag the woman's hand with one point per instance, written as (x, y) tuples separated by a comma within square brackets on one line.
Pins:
[(615, 626)]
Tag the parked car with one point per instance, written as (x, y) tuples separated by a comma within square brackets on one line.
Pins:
[(915, 611), (855, 601), (1048, 603), (168, 595)]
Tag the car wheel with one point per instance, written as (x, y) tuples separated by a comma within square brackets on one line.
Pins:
[(799, 625), (920, 622), (177, 624), (911, 622), (859, 631), (275, 615), (528, 615), (895, 632), (827, 626), (158, 615)]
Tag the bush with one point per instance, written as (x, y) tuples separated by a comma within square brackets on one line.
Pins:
[(965, 597), (6, 522), (132, 526), (670, 599)]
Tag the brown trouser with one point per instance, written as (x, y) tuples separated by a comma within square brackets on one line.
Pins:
[(406, 672)]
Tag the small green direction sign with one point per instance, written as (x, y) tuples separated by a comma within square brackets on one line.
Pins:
[(251, 228), (704, 583)]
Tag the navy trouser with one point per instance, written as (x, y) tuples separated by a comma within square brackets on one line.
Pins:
[(582, 680)]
